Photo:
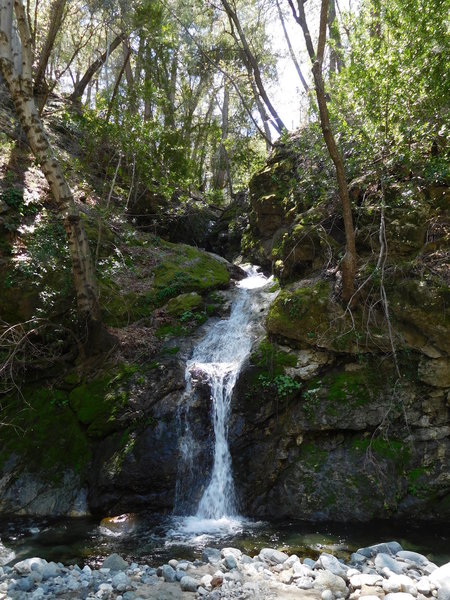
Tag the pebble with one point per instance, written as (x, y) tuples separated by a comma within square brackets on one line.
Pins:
[(376, 572)]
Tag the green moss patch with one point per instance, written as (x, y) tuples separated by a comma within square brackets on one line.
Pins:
[(44, 432), (183, 303), (300, 315), (97, 404)]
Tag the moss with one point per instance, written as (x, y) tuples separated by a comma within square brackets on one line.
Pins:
[(312, 457), (300, 315), (188, 269), (98, 403), (183, 303), (391, 450), (44, 432), (271, 359)]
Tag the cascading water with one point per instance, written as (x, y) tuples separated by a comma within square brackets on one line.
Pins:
[(217, 360)]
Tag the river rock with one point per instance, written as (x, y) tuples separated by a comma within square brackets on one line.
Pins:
[(413, 557), (114, 562), (400, 583), (328, 562), (230, 562), (385, 561), (211, 555), (168, 573), (273, 557), (386, 548), (189, 584), (441, 575), (399, 596), (327, 580), (120, 582), (357, 581), (231, 552)]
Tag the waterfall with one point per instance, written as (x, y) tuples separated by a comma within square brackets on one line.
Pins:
[(217, 360)]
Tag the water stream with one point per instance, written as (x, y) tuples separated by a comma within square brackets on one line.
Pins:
[(217, 361)]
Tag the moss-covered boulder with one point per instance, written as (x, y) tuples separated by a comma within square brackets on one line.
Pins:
[(184, 303)]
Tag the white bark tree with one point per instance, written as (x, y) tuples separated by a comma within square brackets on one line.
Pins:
[(16, 67)]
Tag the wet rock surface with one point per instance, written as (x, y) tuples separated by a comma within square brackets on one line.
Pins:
[(383, 571)]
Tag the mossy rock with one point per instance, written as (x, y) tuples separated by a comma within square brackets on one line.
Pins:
[(184, 303), (43, 433), (186, 269), (309, 316), (300, 315), (97, 404), (107, 237)]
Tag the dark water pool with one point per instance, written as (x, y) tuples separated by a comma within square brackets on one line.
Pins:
[(154, 539)]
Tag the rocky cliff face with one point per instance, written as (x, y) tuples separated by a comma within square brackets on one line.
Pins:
[(344, 413)]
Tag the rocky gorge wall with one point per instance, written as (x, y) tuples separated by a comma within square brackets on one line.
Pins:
[(343, 413)]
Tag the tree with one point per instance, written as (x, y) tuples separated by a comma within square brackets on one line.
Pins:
[(316, 57), (16, 68)]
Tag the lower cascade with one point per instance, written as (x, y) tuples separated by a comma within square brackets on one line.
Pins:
[(217, 361)]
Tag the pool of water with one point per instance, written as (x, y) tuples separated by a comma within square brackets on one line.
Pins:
[(154, 539)]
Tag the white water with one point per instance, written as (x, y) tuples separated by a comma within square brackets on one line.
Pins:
[(218, 358)]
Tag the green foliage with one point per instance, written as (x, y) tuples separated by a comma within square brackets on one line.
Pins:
[(283, 385), (391, 100)]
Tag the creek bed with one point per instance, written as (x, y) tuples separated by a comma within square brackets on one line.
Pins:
[(154, 539)]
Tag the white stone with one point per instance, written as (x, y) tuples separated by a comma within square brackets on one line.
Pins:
[(231, 552), (326, 580), (361, 579), (273, 557), (327, 595)]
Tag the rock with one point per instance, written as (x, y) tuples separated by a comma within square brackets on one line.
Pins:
[(273, 557), (400, 583), (399, 596), (424, 586), (114, 562), (173, 563), (441, 575), (304, 583), (217, 579), (211, 555), (287, 576), (386, 548), (327, 595), (230, 562), (328, 562), (231, 552), (413, 557), (189, 584), (205, 581), (24, 567), (328, 581), (443, 592), (120, 582), (385, 561), (168, 573), (358, 559), (357, 581)]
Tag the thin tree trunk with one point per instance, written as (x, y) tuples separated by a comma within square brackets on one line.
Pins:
[(221, 170), (349, 260), (333, 28), (234, 22), (56, 19), (20, 84), (116, 85), (78, 91)]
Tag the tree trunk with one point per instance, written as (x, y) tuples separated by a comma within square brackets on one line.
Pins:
[(78, 91), (349, 260), (56, 19), (94, 335), (234, 22)]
